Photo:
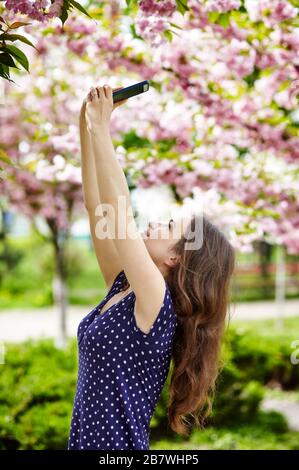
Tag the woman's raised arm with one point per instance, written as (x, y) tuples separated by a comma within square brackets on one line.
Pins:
[(105, 250), (144, 276)]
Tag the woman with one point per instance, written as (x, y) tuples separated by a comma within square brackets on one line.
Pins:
[(165, 301)]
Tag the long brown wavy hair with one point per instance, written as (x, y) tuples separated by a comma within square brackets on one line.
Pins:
[(200, 287)]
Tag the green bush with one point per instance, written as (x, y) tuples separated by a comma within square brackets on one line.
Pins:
[(263, 356), (37, 389)]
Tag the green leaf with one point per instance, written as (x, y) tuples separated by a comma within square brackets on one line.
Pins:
[(168, 34), (4, 157), (219, 18), (16, 37), (176, 26), (4, 73), (19, 56), (4, 68), (223, 20), (182, 6), (131, 2), (6, 59), (252, 77), (213, 16), (64, 14), (133, 31), (79, 7)]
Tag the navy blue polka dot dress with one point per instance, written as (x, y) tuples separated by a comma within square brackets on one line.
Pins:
[(122, 371)]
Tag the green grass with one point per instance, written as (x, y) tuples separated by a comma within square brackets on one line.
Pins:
[(239, 438)]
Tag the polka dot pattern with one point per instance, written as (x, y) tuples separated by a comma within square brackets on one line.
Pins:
[(121, 373)]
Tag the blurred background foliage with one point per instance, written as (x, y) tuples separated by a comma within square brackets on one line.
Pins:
[(27, 269)]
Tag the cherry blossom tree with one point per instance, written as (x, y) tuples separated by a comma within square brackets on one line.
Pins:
[(220, 93), (38, 10), (219, 124), (45, 179)]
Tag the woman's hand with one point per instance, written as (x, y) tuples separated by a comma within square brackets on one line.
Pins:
[(98, 107)]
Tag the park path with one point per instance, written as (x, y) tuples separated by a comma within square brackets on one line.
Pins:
[(22, 324), (288, 408)]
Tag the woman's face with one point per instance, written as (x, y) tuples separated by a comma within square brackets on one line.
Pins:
[(160, 237)]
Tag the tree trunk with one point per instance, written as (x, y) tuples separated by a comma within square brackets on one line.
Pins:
[(264, 251), (60, 288), (60, 295), (59, 238)]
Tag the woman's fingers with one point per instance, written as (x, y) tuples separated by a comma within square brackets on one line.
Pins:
[(108, 91), (118, 103), (103, 92), (91, 93)]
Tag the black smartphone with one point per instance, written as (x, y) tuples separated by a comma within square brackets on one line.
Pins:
[(129, 91)]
